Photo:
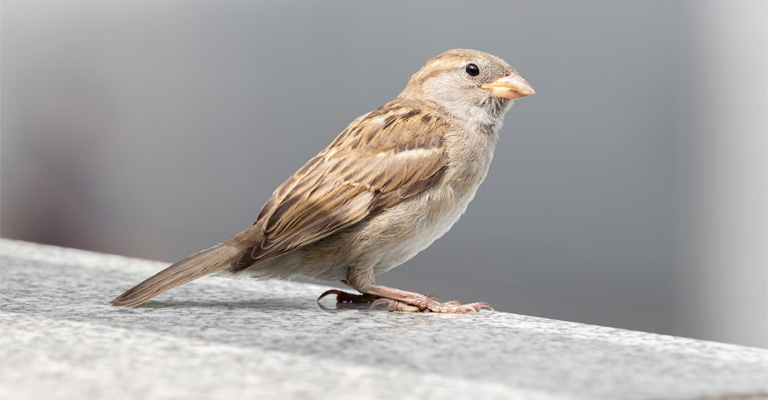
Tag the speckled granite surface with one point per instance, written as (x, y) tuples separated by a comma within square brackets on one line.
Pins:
[(217, 338)]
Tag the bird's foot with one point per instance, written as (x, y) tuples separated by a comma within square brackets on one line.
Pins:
[(344, 297), (431, 305), (403, 300)]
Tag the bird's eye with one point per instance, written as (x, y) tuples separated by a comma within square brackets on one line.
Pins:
[(472, 70)]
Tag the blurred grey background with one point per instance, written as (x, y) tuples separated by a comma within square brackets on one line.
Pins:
[(630, 191)]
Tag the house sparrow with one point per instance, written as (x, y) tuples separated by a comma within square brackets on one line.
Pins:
[(387, 187)]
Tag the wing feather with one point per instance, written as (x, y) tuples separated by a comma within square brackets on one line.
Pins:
[(381, 159)]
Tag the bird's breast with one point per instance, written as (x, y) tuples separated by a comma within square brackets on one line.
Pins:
[(395, 235), (405, 230), (470, 153)]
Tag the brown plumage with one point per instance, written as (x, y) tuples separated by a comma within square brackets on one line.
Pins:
[(364, 171), (391, 183)]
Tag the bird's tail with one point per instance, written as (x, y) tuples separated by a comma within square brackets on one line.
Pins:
[(186, 270)]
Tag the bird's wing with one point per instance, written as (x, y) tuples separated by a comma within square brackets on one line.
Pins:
[(380, 160)]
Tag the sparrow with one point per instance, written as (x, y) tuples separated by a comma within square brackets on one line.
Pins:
[(395, 180)]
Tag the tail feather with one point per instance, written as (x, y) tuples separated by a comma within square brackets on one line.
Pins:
[(186, 270)]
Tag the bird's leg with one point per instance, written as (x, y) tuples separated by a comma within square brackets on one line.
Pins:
[(403, 300), (344, 297), (396, 299)]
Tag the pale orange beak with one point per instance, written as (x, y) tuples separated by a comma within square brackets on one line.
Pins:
[(512, 86)]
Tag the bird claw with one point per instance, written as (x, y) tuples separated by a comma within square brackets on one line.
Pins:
[(480, 305), (430, 305), (457, 307), (344, 297)]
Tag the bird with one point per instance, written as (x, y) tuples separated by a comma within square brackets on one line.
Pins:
[(394, 181)]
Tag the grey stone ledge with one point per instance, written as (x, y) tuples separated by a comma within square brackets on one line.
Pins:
[(218, 338)]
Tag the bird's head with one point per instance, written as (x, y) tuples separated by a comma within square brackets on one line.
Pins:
[(470, 84)]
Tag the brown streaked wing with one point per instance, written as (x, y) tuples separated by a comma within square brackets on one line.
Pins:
[(367, 169)]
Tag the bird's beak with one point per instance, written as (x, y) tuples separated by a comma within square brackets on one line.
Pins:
[(512, 86)]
